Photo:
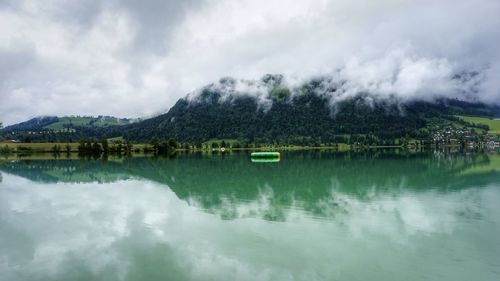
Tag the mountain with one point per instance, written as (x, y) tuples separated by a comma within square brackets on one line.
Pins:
[(48, 128), (267, 111), (37, 123)]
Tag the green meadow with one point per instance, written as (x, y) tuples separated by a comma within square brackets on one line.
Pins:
[(84, 121), (493, 123)]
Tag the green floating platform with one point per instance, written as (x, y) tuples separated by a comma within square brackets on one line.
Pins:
[(265, 155)]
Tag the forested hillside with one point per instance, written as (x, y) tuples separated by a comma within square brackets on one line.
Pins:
[(276, 115), (302, 117)]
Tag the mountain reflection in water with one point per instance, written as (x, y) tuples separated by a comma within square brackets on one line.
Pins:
[(311, 216)]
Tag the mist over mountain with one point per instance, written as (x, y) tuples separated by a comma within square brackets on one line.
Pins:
[(274, 110), (271, 111)]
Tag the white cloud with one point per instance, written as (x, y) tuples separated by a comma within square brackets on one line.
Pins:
[(117, 58)]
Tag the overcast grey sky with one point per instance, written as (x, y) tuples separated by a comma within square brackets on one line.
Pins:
[(136, 58)]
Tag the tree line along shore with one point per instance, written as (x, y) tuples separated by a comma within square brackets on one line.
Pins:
[(165, 147), (168, 146)]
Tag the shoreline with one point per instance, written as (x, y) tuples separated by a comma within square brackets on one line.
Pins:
[(47, 154), (32, 148), (63, 148)]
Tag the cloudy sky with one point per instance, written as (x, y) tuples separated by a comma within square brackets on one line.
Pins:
[(136, 58)]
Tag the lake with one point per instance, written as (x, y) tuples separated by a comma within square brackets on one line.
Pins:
[(315, 215)]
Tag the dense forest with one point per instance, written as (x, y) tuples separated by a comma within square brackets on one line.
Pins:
[(287, 116), (295, 120)]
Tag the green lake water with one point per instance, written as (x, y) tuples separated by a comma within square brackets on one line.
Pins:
[(312, 216)]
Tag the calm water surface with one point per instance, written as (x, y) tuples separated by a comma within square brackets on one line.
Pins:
[(312, 216)]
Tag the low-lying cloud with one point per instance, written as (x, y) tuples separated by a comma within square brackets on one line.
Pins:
[(119, 58)]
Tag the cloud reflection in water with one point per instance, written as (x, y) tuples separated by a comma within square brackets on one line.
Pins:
[(140, 230)]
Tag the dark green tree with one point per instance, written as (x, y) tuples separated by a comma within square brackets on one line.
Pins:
[(96, 149), (105, 146), (172, 143), (82, 148), (119, 148), (155, 143), (128, 147)]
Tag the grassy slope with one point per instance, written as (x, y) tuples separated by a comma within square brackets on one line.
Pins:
[(494, 124), (84, 121)]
